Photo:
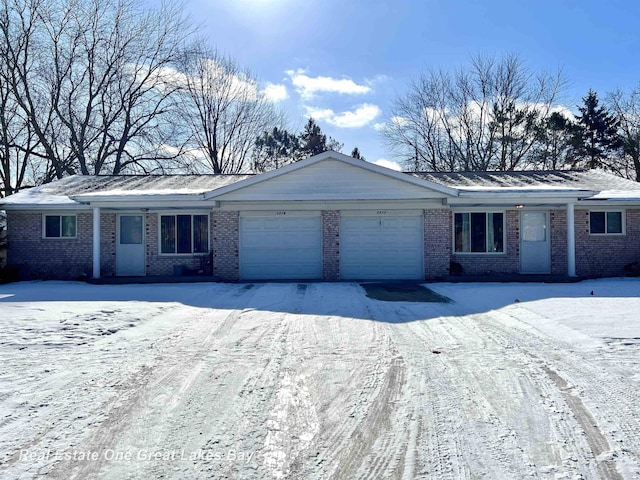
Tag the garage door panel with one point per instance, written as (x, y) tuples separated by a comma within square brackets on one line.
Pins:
[(381, 248), (280, 248)]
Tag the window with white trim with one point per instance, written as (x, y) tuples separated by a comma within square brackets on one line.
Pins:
[(184, 234), (606, 223), (60, 226), (479, 232)]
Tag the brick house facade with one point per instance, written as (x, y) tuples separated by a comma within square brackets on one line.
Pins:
[(327, 188)]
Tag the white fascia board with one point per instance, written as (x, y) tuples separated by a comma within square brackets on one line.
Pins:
[(155, 197), (33, 207), (340, 157), (154, 204), (334, 205), (511, 201), (527, 193), (318, 197), (609, 202)]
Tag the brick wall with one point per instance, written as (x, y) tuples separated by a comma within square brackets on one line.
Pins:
[(49, 258), (484, 263), (107, 244), (437, 242), (558, 237), (164, 264), (225, 235), (606, 255), (330, 245)]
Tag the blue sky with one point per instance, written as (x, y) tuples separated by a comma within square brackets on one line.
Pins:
[(344, 61)]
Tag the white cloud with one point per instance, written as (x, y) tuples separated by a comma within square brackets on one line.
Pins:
[(361, 116), (379, 127), (275, 93), (388, 164), (564, 111), (308, 86)]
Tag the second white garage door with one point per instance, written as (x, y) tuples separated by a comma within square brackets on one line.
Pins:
[(379, 247), (285, 246)]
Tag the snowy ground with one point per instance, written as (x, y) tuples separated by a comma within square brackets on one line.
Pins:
[(319, 381)]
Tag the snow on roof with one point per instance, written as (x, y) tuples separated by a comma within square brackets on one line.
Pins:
[(557, 180), (61, 192), (58, 193)]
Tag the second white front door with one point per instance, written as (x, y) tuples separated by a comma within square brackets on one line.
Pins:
[(535, 245)]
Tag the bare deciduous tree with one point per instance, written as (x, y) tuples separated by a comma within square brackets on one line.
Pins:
[(225, 110), (92, 81), (484, 117), (626, 107)]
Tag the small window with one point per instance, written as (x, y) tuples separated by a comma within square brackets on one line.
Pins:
[(60, 226), (605, 223), (479, 232), (184, 234)]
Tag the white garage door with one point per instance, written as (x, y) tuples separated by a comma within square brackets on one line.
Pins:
[(286, 247), (379, 247)]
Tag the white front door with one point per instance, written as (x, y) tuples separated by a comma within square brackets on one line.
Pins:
[(535, 251), (130, 245), (381, 246)]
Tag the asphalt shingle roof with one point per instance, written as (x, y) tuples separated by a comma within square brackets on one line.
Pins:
[(595, 180)]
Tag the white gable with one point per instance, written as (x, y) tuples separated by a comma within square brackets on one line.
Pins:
[(331, 179)]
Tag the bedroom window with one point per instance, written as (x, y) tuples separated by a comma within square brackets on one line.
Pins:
[(479, 232), (60, 226), (605, 223), (184, 234)]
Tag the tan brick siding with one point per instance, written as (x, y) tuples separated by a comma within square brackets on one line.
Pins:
[(225, 234), (492, 263), (437, 242), (49, 258), (606, 255), (107, 244), (558, 237), (330, 245), (157, 264), (596, 255)]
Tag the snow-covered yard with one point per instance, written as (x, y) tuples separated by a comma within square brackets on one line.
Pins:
[(319, 381)]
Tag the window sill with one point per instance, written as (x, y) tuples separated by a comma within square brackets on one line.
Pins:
[(182, 255), (480, 254)]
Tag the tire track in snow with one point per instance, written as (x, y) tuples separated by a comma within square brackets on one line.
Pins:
[(614, 399), (595, 439), (148, 396), (433, 421), (471, 403)]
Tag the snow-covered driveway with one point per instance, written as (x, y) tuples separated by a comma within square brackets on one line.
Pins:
[(318, 381)]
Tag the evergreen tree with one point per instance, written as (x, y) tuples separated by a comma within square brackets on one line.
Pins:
[(275, 149), (355, 153), (313, 141), (554, 142), (596, 136)]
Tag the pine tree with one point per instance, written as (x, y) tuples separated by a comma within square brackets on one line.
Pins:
[(275, 149), (355, 153), (313, 141), (596, 136), (554, 142)]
